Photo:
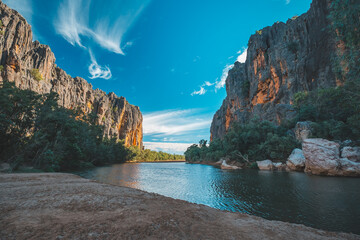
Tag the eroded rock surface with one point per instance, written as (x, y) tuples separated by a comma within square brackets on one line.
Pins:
[(296, 161), (282, 60), (323, 158), (20, 55)]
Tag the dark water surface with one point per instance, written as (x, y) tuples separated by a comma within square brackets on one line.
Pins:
[(327, 203)]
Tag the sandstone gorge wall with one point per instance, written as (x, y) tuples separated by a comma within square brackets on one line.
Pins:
[(282, 60), (20, 55)]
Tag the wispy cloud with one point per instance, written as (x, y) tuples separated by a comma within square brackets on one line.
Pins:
[(225, 73), (242, 57), (177, 148), (202, 91), (105, 28), (174, 122), (287, 1), (97, 71)]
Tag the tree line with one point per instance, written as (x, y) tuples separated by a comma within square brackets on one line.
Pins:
[(37, 132)]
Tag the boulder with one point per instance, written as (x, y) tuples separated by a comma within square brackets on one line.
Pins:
[(296, 160), (226, 166), (302, 130), (323, 158), (265, 165), (349, 168), (279, 166), (351, 153)]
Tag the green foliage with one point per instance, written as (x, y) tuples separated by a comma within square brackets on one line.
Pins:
[(294, 17), (148, 155), (334, 111), (34, 130), (246, 143), (1, 68), (36, 74), (259, 32), (293, 47)]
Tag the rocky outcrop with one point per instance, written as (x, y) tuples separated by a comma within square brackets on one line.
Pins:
[(21, 58), (302, 130), (351, 153), (296, 161), (323, 158), (227, 166), (282, 60), (268, 165)]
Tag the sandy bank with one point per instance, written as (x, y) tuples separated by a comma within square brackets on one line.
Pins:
[(65, 206)]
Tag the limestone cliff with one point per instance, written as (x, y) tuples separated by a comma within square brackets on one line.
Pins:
[(20, 56), (282, 60)]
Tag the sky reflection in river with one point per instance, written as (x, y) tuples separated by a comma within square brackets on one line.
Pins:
[(323, 202)]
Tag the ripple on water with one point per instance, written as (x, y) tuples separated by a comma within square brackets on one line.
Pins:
[(322, 202)]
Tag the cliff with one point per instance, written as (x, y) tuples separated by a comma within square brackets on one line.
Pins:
[(21, 58), (282, 60)]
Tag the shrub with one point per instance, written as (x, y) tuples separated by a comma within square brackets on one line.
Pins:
[(259, 32), (35, 73), (1, 68)]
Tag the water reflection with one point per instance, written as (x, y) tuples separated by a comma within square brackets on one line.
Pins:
[(322, 202)]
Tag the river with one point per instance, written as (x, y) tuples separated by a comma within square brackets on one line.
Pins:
[(328, 203)]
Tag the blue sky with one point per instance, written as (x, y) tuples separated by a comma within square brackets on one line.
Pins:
[(168, 57)]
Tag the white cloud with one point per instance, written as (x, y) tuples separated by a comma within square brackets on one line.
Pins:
[(225, 72), (202, 91), (242, 57), (73, 22), (208, 83), (174, 122), (177, 148), (97, 71)]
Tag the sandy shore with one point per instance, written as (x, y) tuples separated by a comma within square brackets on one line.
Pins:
[(65, 206)]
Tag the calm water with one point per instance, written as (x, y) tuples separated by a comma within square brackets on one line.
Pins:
[(322, 202)]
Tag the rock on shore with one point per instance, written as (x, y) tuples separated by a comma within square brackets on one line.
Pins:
[(65, 206), (323, 158)]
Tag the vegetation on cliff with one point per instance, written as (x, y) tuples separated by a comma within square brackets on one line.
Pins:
[(334, 112), (35, 130)]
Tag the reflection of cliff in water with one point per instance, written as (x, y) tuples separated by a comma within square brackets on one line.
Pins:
[(291, 197), (119, 174), (328, 203)]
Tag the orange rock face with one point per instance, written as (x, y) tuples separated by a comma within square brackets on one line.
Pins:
[(283, 60), (20, 56)]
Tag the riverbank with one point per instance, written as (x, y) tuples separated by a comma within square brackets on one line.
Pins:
[(154, 161), (58, 205)]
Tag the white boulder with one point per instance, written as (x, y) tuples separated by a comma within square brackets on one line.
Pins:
[(296, 160)]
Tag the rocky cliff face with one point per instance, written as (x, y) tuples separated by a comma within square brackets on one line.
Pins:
[(282, 60), (20, 56)]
